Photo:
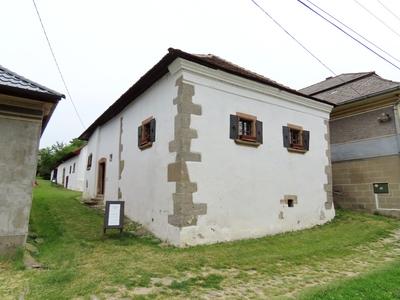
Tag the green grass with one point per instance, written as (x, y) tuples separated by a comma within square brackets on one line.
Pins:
[(80, 261), (381, 284)]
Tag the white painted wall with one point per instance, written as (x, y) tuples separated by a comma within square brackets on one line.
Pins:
[(76, 179), (243, 185), (144, 186)]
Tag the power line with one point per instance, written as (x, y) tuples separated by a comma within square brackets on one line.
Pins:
[(376, 17), (349, 35), (299, 43), (389, 10), (58, 67), (352, 30), (293, 38)]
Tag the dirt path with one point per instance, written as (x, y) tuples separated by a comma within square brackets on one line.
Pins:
[(251, 284), (289, 285)]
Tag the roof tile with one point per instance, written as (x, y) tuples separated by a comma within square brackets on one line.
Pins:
[(13, 80)]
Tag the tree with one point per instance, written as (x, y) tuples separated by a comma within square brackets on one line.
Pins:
[(50, 157)]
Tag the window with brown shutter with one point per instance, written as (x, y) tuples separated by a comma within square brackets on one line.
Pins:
[(147, 133), (295, 139), (246, 129), (89, 162)]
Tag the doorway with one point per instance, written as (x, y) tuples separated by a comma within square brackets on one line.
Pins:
[(101, 176), (66, 182)]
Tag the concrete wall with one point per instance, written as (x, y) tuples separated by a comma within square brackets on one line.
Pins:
[(366, 151), (362, 126), (353, 184), (76, 179), (18, 158)]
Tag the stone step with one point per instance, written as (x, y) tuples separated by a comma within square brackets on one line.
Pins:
[(93, 201)]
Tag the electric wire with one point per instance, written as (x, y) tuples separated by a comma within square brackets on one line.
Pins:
[(58, 66), (376, 17), (389, 10), (349, 35), (293, 38), (299, 43), (352, 30)]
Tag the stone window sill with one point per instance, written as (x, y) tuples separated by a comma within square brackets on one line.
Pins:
[(295, 150), (247, 143), (145, 145)]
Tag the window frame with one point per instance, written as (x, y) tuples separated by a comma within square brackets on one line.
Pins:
[(89, 161), (299, 148), (145, 142), (253, 133), (255, 137)]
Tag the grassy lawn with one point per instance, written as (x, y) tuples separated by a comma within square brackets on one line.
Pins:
[(81, 262), (382, 284)]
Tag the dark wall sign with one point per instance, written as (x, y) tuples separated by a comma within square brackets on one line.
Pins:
[(114, 215), (381, 188)]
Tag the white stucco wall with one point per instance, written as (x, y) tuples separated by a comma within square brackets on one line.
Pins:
[(243, 185), (143, 185), (75, 179)]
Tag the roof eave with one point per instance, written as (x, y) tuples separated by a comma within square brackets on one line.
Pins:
[(376, 94), (159, 70), (33, 95)]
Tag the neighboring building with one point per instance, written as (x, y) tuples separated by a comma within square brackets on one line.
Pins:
[(70, 172), (202, 150), (365, 140), (25, 109)]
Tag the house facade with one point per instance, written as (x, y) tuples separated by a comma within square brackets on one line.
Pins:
[(70, 172), (25, 109), (365, 140), (202, 151)]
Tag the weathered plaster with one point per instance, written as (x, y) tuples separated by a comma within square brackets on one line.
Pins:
[(18, 148), (185, 212), (328, 172), (9, 244)]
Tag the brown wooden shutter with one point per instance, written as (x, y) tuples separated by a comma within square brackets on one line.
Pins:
[(234, 130), (139, 135), (153, 130), (286, 136), (306, 140), (259, 132)]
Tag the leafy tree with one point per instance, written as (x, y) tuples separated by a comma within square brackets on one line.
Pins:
[(49, 157)]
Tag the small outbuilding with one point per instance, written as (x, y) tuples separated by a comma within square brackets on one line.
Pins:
[(25, 110)]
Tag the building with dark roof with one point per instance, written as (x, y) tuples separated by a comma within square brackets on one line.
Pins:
[(365, 140), (70, 170), (25, 109), (201, 150)]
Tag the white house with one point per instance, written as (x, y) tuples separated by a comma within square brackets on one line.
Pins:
[(202, 150), (70, 173)]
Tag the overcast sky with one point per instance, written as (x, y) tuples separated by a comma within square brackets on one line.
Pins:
[(103, 47)]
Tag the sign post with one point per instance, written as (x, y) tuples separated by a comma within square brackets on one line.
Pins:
[(114, 215)]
